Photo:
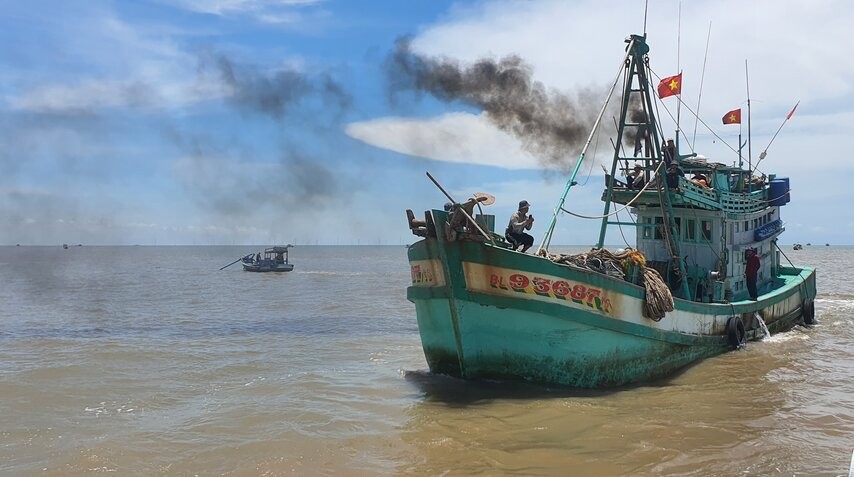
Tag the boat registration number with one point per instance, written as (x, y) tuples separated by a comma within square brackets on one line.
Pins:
[(427, 273), (542, 286)]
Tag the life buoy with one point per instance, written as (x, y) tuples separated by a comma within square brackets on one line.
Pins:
[(808, 312), (736, 335)]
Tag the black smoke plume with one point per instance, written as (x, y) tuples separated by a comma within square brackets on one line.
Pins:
[(275, 93), (223, 173), (551, 125)]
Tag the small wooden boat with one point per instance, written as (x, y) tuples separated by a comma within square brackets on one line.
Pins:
[(274, 259)]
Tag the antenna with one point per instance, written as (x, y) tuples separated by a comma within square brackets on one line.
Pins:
[(678, 61), (700, 96), (749, 145), (645, 8)]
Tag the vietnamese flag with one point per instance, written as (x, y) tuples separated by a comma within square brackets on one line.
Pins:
[(670, 86), (733, 117)]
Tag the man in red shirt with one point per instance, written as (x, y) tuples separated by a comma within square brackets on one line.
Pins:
[(751, 271)]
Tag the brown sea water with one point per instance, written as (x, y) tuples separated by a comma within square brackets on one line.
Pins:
[(142, 361)]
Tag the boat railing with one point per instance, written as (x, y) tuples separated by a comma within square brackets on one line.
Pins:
[(696, 195), (744, 202)]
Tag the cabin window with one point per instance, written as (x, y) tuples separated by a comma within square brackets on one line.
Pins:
[(659, 224), (678, 221), (706, 230), (647, 231), (746, 225), (736, 227), (690, 234), (755, 223), (734, 182)]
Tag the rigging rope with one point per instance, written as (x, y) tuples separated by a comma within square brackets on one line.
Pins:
[(649, 183)]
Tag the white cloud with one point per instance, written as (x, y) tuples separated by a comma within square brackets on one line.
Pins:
[(290, 13), (111, 63), (224, 7), (453, 137)]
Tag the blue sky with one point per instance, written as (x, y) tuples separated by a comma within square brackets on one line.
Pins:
[(253, 122)]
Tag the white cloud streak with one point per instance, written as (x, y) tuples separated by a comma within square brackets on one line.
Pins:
[(453, 137)]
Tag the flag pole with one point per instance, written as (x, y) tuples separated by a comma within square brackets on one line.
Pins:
[(749, 144), (700, 95), (645, 10), (765, 151), (679, 66), (781, 126)]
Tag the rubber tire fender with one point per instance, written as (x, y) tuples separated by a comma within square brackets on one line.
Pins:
[(808, 312), (736, 335)]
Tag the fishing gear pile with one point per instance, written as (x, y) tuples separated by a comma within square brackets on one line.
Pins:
[(658, 299)]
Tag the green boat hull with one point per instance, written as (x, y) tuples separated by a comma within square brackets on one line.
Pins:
[(477, 321)]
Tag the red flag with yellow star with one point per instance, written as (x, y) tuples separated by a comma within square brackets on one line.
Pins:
[(670, 86), (733, 117)]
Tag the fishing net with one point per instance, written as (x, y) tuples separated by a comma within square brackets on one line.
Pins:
[(658, 299)]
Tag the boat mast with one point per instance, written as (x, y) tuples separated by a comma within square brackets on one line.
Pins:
[(636, 51), (647, 129)]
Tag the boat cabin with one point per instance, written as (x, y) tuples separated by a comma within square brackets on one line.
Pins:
[(274, 259), (719, 213)]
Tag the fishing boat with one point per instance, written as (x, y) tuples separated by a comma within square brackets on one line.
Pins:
[(274, 259), (610, 318), (797, 246)]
